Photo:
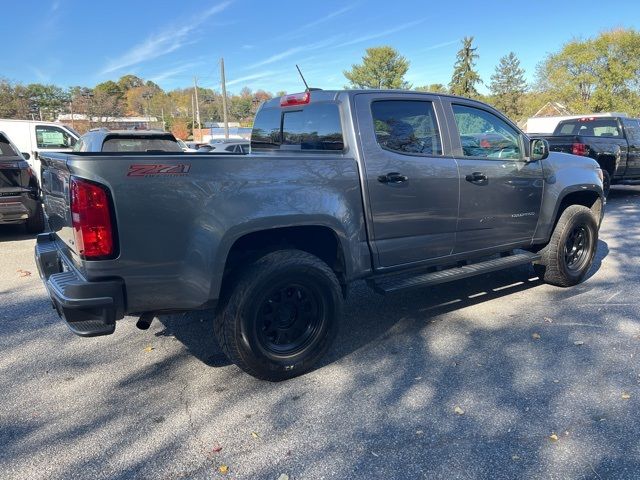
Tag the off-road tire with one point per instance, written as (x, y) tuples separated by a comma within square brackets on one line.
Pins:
[(240, 321), (35, 223), (554, 267), (606, 183)]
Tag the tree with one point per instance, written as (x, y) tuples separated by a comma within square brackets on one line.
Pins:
[(465, 77), (508, 86), (434, 88), (128, 82), (597, 74), (382, 67)]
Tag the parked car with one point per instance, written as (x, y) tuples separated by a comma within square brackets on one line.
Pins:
[(339, 186), (228, 146), (19, 191), (105, 140), (34, 137), (185, 147), (614, 142)]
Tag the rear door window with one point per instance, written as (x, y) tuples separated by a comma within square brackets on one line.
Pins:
[(6, 150), (406, 126)]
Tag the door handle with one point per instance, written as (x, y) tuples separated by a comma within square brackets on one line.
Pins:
[(477, 177), (393, 177)]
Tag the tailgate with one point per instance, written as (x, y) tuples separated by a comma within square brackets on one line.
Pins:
[(562, 143), (14, 177), (55, 196)]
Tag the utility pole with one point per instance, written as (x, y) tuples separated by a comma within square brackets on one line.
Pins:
[(193, 118), (164, 125), (224, 100), (195, 89)]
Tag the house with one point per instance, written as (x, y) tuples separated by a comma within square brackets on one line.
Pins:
[(547, 118)]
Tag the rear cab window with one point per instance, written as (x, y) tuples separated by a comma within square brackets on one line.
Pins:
[(590, 127), (315, 127), (134, 143)]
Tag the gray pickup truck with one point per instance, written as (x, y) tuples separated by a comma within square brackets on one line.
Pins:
[(400, 189)]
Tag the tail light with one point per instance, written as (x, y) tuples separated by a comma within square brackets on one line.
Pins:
[(91, 220), (295, 99), (580, 149)]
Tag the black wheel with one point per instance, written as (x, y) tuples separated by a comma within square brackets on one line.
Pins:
[(281, 315), (35, 223), (606, 183), (569, 254)]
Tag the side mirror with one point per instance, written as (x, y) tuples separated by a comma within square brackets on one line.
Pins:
[(26, 155), (539, 149)]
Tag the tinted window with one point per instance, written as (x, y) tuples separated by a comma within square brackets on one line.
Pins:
[(483, 134), (6, 150), (266, 129), (590, 127), (137, 144), (406, 126), (316, 127), (53, 137), (632, 128)]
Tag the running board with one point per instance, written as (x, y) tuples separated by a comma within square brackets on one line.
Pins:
[(393, 284)]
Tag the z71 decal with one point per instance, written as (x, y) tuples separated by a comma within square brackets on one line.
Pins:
[(157, 170)]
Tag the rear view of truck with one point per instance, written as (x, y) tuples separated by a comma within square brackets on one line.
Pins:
[(19, 192)]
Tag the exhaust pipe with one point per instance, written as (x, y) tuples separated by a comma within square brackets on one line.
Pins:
[(144, 322)]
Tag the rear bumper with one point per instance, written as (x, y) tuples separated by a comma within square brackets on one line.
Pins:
[(16, 209), (89, 308)]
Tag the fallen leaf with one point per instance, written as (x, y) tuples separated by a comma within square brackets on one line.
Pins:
[(535, 336), (216, 449), (254, 435), (548, 320), (626, 396), (148, 348), (515, 457), (458, 410), (223, 469), (23, 273), (556, 381), (578, 342), (553, 437), (419, 432), (283, 476)]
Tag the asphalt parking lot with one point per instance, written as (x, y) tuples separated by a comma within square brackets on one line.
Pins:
[(495, 377)]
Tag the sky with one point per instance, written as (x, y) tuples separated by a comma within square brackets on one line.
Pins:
[(73, 42)]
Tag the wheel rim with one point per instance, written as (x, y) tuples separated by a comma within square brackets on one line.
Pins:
[(289, 319), (577, 249)]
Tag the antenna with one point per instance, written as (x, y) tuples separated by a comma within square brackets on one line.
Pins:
[(302, 77)]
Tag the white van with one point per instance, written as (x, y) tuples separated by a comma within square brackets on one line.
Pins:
[(33, 137)]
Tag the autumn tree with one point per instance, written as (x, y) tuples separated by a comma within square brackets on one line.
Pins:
[(508, 86), (465, 77), (597, 74), (382, 67)]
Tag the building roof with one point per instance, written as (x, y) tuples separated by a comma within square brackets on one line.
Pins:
[(67, 117)]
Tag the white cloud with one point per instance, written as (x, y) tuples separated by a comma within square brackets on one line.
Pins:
[(296, 32), (441, 45), (168, 74), (160, 44), (255, 76), (384, 33), (292, 51)]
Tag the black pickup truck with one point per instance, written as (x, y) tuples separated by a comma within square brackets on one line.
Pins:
[(613, 142)]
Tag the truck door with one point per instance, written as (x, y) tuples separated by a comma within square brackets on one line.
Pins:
[(411, 184), (632, 132), (500, 192)]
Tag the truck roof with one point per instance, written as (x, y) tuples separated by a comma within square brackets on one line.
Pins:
[(332, 95)]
